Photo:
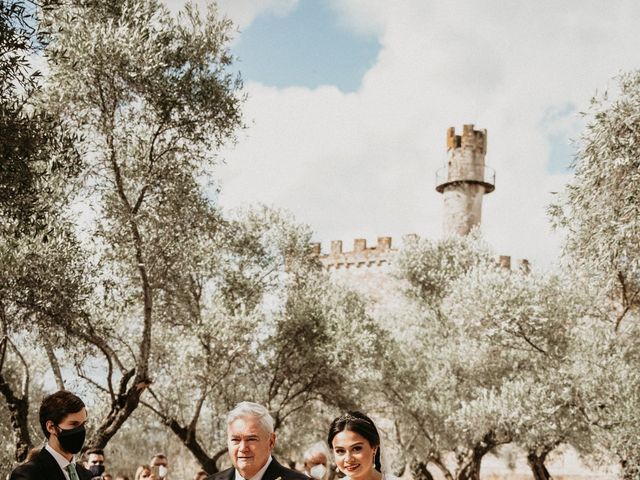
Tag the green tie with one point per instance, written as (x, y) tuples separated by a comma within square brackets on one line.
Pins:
[(71, 470)]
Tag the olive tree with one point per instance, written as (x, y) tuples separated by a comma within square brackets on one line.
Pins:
[(42, 282), (270, 328), (600, 216), (524, 327), (153, 100), (485, 356), (425, 379)]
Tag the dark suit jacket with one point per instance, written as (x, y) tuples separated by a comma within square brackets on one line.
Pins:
[(273, 472), (44, 467)]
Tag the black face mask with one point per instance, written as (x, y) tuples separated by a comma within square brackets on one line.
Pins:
[(96, 470), (71, 440)]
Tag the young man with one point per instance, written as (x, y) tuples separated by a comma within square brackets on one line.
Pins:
[(62, 419), (95, 462), (251, 440)]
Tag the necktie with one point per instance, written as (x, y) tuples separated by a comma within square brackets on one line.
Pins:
[(71, 470)]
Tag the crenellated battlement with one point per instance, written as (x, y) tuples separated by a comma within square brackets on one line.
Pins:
[(363, 257), (521, 264), (470, 138)]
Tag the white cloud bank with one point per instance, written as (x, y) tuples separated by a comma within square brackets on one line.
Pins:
[(363, 164)]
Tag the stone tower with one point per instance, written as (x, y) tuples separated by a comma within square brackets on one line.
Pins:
[(464, 180)]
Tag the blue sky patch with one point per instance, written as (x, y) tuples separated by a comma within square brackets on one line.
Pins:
[(564, 126), (308, 48), (561, 153)]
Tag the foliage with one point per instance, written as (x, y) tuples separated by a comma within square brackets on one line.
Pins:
[(17, 42), (157, 297), (41, 268), (151, 97), (489, 357), (424, 379), (169, 296), (599, 213), (279, 342), (429, 267)]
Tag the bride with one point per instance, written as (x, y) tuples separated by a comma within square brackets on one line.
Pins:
[(355, 442)]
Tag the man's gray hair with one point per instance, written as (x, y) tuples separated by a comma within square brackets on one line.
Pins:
[(250, 409), (318, 447)]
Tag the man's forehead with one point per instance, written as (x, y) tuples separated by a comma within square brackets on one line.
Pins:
[(246, 426), (76, 417), (317, 457)]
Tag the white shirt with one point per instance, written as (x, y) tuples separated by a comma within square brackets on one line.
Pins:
[(257, 476), (63, 462)]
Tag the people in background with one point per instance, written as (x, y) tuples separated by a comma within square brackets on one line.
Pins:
[(316, 464), (160, 461), (95, 462), (144, 472)]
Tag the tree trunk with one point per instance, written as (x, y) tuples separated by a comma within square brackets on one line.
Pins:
[(128, 399), (470, 469), (630, 470), (18, 406), (442, 467), (209, 464), (124, 405), (53, 362), (419, 471), (19, 417), (472, 460), (536, 463)]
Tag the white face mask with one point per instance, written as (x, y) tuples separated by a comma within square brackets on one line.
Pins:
[(318, 471), (162, 471)]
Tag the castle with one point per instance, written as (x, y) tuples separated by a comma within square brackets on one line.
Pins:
[(463, 181)]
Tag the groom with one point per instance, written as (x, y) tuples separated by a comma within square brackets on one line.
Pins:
[(250, 439)]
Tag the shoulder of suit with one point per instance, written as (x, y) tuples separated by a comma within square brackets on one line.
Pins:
[(293, 475), (289, 474), (222, 474), (29, 470)]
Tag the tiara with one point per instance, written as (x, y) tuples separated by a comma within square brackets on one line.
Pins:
[(352, 418)]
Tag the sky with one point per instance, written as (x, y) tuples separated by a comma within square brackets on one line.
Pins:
[(348, 104)]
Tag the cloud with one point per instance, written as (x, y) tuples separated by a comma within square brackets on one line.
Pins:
[(363, 163)]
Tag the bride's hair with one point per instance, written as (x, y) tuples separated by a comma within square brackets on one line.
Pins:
[(359, 423)]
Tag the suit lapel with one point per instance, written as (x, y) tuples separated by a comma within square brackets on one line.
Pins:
[(273, 471), (49, 466)]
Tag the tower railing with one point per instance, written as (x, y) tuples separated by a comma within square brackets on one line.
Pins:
[(485, 176)]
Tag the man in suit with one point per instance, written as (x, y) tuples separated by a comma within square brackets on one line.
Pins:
[(95, 462), (250, 440), (62, 419)]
